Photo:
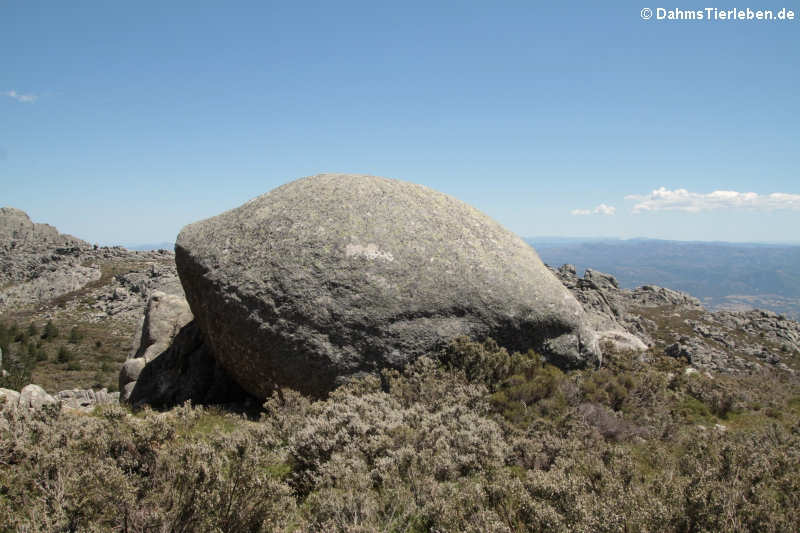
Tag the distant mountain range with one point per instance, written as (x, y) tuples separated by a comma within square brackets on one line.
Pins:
[(156, 246), (722, 275)]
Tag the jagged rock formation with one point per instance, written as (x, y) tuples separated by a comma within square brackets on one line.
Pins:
[(84, 400), (39, 265), (597, 292), (336, 275), (675, 322), (18, 232)]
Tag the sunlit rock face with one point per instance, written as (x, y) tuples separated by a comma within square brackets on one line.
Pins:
[(337, 275)]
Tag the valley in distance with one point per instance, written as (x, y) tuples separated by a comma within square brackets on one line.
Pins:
[(723, 275)]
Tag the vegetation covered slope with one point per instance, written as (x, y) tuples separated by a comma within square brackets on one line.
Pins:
[(471, 439), (92, 328)]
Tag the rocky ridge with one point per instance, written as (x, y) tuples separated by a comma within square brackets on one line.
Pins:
[(39, 265), (677, 324)]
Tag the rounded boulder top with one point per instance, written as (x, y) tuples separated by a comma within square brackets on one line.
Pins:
[(337, 275)]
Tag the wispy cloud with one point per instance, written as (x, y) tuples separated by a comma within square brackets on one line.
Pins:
[(19, 97), (663, 199), (601, 209)]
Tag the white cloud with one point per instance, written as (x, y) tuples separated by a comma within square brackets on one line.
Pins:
[(24, 98), (601, 209), (663, 199), (604, 209)]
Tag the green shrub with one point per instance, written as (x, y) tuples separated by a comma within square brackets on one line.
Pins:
[(484, 362), (50, 331), (21, 336), (522, 397), (75, 335), (19, 368), (4, 333), (606, 388), (36, 352), (64, 355), (695, 411)]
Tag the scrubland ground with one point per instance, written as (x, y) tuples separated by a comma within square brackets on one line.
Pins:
[(77, 354), (80, 339), (470, 439)]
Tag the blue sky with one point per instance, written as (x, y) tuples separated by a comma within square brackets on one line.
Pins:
[(122, 121)]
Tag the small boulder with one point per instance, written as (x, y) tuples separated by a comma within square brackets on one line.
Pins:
[(131, 370), (35, 397), (165, 316), (10, 397)]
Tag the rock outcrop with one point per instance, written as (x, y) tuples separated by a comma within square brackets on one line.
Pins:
[(33, 397), (677, 324), (18, 232), (597, 292), (39, 265), (36, 261), (166, 315), (84, 400), (337, 275), (171, 362)]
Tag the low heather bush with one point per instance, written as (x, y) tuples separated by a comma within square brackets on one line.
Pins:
[(489, 442)]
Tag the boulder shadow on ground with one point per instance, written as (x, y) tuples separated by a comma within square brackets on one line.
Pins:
[(187, 370)]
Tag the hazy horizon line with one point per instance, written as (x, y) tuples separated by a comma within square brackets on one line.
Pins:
[(541, 239)]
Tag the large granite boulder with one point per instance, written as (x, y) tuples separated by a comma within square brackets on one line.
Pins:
[(336, 275)]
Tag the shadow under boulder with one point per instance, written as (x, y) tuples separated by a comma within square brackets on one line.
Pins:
[(171, 362), (185, 371)]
